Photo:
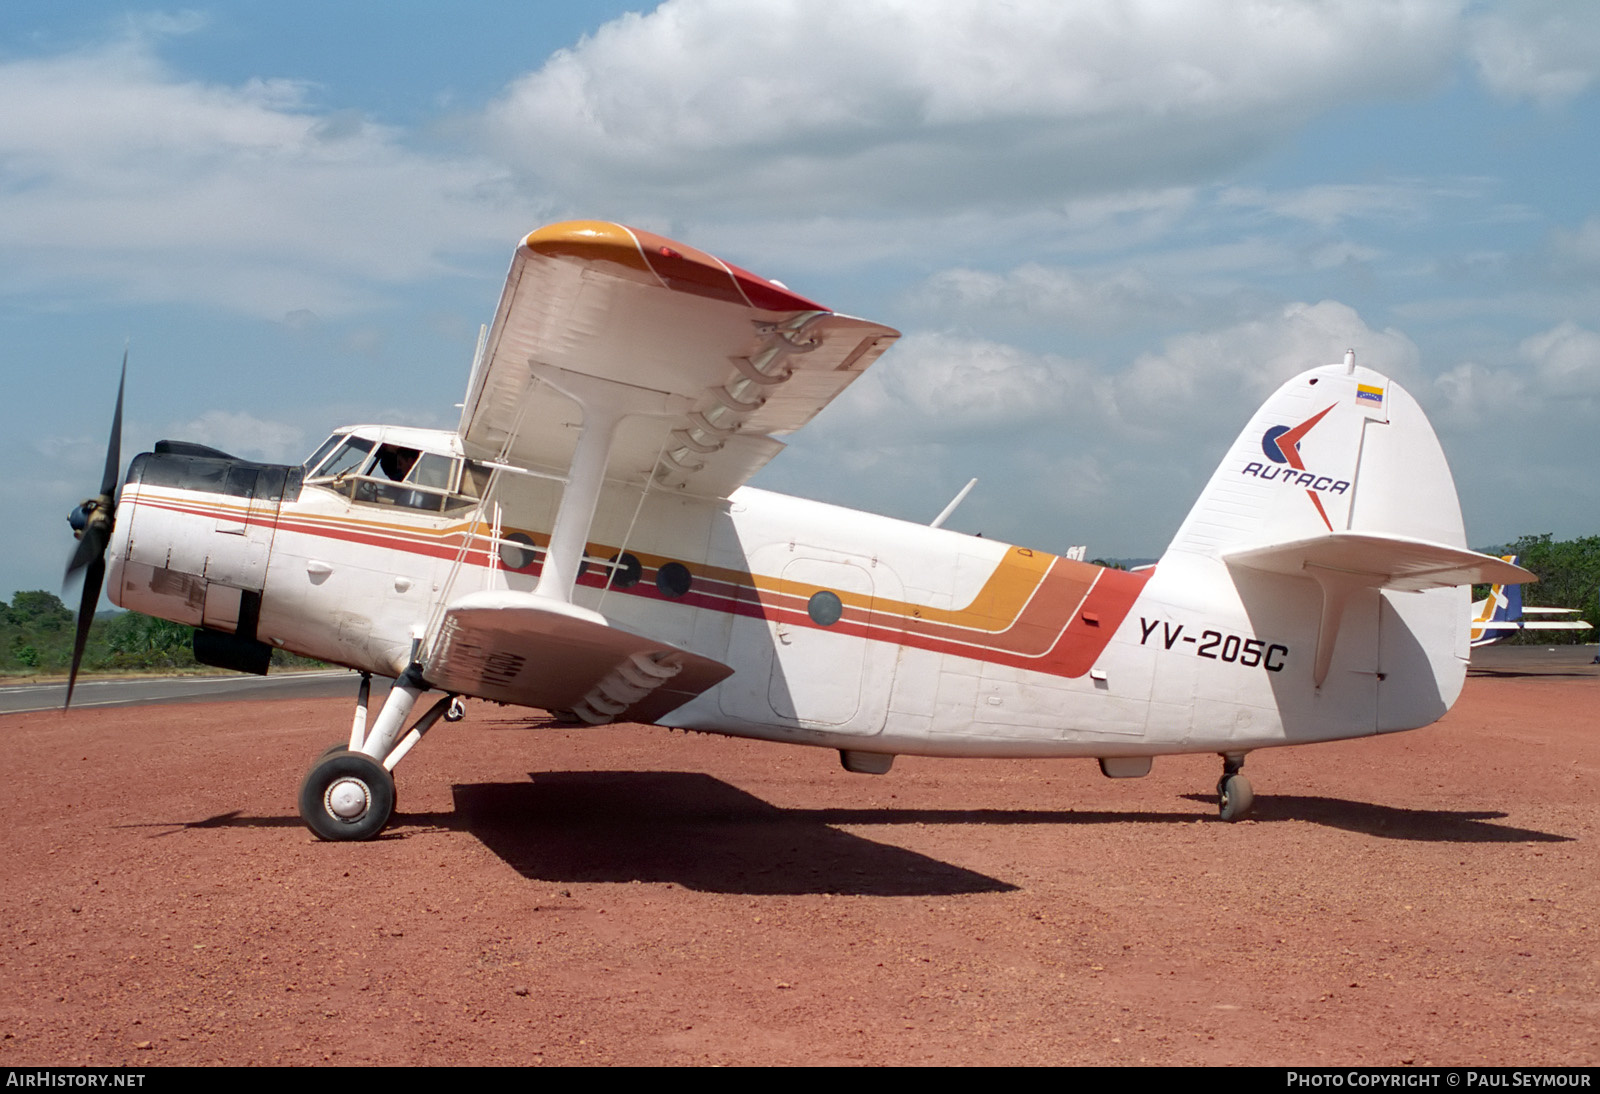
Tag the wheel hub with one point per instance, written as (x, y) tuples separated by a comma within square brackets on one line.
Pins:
[(348, 799)]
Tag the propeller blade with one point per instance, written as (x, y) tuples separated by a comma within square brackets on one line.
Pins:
[(94, 520), (92, 581), (108, 481)]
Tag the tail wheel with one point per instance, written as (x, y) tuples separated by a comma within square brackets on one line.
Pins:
[(1234, 797), (347, 796)]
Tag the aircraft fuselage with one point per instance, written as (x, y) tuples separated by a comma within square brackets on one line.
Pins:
[(843, 629)]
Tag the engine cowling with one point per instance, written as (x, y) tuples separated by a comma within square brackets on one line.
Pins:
[(193, 541)]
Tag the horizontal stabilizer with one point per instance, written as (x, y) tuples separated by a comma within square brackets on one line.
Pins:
[(515, 647), (1530, 625), (1344, 563), (1372, 561)]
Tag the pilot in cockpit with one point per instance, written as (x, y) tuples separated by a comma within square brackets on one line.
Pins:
[(394, 463), (397, 462)]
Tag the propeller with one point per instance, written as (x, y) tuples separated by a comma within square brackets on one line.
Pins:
[(92, 522)]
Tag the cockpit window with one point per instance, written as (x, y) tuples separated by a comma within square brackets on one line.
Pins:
[(321, 453), (396, 462), (348, 460), (397, 476), (433, 470)]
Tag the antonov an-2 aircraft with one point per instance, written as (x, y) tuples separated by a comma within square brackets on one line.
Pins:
[(584, 543)]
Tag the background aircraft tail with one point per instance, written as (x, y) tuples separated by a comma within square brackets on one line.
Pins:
[(1503, 605), (1501, 613), (1335, 516)]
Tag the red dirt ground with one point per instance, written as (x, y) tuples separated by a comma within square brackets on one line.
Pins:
[(644, 897)]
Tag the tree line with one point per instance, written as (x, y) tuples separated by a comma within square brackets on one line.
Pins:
[(36, 632), (1569, 577)]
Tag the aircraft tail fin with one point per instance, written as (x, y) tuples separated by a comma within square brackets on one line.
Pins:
[(1512, 609), (1338, 482), (1336, 449)]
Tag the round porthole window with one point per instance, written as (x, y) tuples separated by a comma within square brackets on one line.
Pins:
[(626, 571), (517, 552), (824, 608), (673, 579)]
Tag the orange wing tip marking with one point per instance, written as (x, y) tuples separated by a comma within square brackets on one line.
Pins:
[(661, 260), (589, 241)]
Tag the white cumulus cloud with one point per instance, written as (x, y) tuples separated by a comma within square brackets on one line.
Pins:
[(1223, 374), (806, 103), (1544, 50), (119, 174), (245, 435), (1566, 359)]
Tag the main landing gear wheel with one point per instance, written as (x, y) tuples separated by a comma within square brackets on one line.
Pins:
[(346, 796)]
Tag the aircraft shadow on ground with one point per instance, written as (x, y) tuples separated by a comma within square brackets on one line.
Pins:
[(706, 835), (1389, 822), (691, 829)]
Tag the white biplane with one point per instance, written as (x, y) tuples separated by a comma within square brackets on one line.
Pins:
[(584, 543)]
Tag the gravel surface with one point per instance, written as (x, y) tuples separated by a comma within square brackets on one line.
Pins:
[(632, 896)]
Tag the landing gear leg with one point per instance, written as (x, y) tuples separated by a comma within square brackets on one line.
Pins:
[(1234, 795), (349, 792)]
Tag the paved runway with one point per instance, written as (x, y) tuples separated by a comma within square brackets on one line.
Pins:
[(145, 690), (140, 691), (1535, 660)]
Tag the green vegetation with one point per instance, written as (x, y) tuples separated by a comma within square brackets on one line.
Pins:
[(36, 632)]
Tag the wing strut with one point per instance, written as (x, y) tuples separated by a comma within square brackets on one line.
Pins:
[(605, 403)]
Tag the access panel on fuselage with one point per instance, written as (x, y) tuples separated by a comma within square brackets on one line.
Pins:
[(802, 645)]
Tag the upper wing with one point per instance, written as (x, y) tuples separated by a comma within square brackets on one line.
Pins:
[(734, 360)]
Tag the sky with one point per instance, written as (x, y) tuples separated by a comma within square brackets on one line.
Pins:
[(1108, 229)]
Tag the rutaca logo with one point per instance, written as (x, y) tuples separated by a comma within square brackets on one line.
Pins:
[(1281, 445), (1269, 445)]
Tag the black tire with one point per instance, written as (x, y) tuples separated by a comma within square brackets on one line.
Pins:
[(365, 788), (331, 749), (1234, 797)]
